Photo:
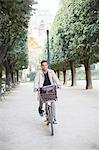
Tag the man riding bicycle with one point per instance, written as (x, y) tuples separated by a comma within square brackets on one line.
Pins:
[(45, 77)]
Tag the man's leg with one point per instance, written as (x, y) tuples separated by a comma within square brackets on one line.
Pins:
[(40, 104), (54, 111), (41, 111)]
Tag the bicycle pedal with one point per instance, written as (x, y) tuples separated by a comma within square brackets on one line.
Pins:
[(54, 122)]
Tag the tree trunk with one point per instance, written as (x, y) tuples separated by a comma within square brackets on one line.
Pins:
[(55, 71), (58, 74), (73, 73), (12, 78), (0, 78), (17, 72), (88, 74), (7, 70), (7, 76), (65, 77)]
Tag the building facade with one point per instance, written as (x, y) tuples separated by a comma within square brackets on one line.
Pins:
[(38, 25)]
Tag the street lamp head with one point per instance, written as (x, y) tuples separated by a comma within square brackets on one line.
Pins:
[(47, 31)]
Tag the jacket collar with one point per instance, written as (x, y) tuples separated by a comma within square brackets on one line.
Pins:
[(43, 73)]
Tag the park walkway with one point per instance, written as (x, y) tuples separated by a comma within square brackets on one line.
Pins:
[(21, 128)]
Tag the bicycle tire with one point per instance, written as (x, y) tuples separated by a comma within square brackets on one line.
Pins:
[(51, 120)]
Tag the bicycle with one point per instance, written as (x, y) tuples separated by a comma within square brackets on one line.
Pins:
[(48, 95)]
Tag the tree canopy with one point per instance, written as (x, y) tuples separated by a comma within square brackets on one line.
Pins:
[(75, 34), (14, 15), (76, 31)]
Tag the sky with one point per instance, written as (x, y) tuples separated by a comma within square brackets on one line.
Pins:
[(47, 6), (51, 5)]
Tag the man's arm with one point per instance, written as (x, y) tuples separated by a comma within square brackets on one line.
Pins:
[(55, 78), (36, 82)]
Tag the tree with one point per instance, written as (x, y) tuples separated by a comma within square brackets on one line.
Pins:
[(14, 20), (76, 28)]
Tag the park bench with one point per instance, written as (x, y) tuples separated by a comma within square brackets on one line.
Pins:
[(2, 93)]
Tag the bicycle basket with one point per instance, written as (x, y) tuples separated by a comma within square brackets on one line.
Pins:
[(48, 93)]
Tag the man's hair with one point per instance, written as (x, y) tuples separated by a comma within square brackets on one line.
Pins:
[(44, 61)]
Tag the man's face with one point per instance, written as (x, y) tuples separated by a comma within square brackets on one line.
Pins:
[(44, 66)]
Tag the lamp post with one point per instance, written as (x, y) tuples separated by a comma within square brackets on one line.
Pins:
[(48, 49)]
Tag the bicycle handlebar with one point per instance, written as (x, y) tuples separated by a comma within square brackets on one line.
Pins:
[(37, 90)]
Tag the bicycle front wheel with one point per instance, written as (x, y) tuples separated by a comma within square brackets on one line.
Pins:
[(51, 120)]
